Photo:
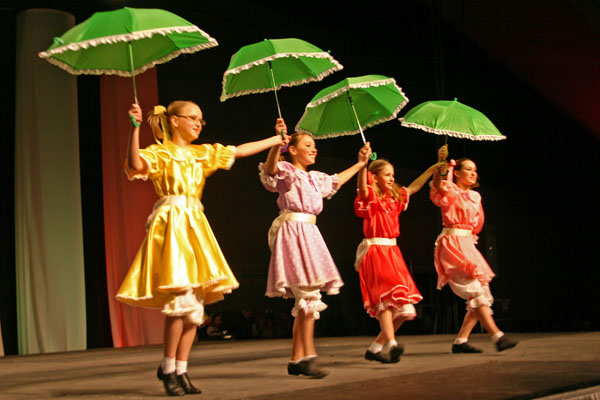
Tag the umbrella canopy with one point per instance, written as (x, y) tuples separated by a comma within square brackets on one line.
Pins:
[(451, 118), (273, 63), (125, 42), (351, 106)]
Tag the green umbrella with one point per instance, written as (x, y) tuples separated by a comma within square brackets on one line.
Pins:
[(451, 118), (352, 105), (273, 63), (125, 42)]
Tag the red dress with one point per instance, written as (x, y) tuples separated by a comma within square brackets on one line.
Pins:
[(384, 279)]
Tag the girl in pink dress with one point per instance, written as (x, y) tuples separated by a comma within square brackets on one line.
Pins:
[(301, 266), (457, 260), (388, 290)]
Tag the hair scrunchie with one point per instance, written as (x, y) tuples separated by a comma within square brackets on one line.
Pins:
[(370, 178), (450, 172), (159, 110)]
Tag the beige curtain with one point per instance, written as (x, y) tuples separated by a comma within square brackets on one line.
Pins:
[(48, 231)]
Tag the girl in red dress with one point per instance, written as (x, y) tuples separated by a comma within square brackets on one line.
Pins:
[(388, 290)]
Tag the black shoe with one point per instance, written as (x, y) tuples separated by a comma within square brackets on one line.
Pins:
[(379, 356), (505, 343), (396, 352), (185, 382), (306, 367), (294, 368), (465, 348), (170, 383), (312, 369)]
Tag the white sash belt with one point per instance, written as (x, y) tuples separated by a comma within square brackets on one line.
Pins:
[(364, 245), (177, 200), (457, 232), (287, 215)]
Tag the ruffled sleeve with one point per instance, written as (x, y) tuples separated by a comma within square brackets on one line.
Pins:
[(281, 181), (363, 208), (443, 198), (214, 157), (151, 160), (326, 184)]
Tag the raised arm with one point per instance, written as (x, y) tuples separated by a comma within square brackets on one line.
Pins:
[(441, 172), (134, 161), (251, 148), (362, 183), (363, 159), (270, 165)]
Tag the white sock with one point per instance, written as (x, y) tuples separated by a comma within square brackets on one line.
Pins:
[(497, 336), (389, 345), (460, 340), (375, 347), (295, 361), (168, 365), (309, 357), (180, 367)]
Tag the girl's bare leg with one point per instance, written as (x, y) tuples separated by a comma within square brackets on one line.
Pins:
[(186, 341), (297, 341), (387, 327), (485, 317), (308, 335), (468, 324), (172, 335)]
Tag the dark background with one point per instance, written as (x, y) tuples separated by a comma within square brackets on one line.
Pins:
[(531, 68)]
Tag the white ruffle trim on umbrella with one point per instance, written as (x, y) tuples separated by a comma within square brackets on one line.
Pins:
[(351, 132), (364, 85), (336, 67), (126, 37), (461, 135), (47, 55)]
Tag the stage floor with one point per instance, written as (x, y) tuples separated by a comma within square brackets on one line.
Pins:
[(560, 365)]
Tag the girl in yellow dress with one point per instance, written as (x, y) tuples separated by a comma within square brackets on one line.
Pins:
[(179, 267)]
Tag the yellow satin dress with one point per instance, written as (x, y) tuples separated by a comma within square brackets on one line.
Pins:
[(180, 251)]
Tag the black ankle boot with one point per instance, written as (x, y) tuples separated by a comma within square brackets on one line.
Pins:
[(170, 383), (185, 382)]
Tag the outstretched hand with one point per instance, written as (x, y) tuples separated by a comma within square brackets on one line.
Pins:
[(135, 114)]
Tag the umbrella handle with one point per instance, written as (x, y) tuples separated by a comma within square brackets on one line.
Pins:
[(133, 121)]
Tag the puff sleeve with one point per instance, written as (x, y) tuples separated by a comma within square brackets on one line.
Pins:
[(326, 184), (215, 156), (282, 180)]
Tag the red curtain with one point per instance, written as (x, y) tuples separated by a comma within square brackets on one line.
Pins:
[(126, 204)]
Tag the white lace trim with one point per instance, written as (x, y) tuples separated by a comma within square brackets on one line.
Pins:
[(336, 67), (309, 307), (343, 90), (186, 305), (461, 135), (146, 34)]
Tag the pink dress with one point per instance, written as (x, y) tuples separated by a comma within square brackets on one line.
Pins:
[(299, 256), (385, 282), (455, 253)]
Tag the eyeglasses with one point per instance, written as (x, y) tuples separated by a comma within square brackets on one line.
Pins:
[(194, 118)]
